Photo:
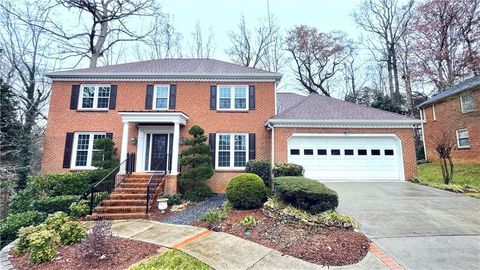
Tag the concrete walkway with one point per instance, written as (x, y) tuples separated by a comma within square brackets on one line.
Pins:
[(221, 250), (417, 226)]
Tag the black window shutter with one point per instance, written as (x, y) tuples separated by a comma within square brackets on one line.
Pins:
[(251, 146), (149, 97), (113, 97), (213, 97), (211, 142), (173, 96), (67, 153), (74, 97), (109, 135), (251, 97)]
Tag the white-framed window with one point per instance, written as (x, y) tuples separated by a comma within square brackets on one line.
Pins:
[(232, 97), (231, 150), (161, 97), (94, 97), (84, 150), (467, 102), (463, 141), (433, 113)]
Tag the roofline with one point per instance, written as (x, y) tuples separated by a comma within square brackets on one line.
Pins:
[(431, 100), (343, 123), (149, 76)]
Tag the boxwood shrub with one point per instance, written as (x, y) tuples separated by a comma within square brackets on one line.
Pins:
[(10, 226), (287, 169), (246, 191), (306, 194), (51, 204), (63, 183), (261, 168)]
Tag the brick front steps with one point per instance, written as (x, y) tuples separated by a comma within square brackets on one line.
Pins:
[(128, 200)]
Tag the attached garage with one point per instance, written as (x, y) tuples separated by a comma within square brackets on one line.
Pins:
[(341, 157), (336, 140)]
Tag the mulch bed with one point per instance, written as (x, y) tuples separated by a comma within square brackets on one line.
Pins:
[(320, 245), (125, 253)]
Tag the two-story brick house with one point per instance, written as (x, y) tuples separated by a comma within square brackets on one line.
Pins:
[(147, 108), (454, 114)]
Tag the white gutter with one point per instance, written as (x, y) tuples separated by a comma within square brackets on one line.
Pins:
[(343, 123)]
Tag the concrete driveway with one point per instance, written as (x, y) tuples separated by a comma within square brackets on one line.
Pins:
[(419, 227)]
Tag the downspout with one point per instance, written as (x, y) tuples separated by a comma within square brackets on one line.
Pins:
[(422, 112), (272, 146)]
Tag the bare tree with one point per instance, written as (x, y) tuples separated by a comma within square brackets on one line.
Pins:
[(202, 46), (249, 46), (163, 42), (318, 56), (444, 144), (387, 21), (354, 84), (26, 44)]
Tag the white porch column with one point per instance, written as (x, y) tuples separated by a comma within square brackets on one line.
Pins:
[(124, 149), (175, 148)]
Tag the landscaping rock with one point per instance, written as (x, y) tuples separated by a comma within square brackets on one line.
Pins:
[(195, 211)]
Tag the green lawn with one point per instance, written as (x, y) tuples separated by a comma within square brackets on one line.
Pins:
[(170, 260), (465, 176)]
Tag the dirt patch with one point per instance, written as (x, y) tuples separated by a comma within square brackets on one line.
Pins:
[(320, 245), (127, 252)]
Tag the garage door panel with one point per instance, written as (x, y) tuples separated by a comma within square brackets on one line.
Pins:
[(358, 158)]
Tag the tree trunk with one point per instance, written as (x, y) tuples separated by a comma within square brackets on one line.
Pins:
[(408, 90), (395, 75), (442, 167), (451, 169), (389, 70)]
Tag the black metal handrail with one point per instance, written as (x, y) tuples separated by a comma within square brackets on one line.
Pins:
[(152, 185), (109, 182)]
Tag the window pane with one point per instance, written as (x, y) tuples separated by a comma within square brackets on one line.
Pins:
[(464, 142), (88, 91), (225, 92), (335, 152), (161, 103), (468, 103), (87, 103), (462, 133), (348, 152), (240, 92), (224, 142), (162, 92), (375, 152), (322, 152), (83, 140), (362, 152), (240, 103), (82, 149), (388, 152), (224, 103), (223, 159), (104, 91), (240, 142), (81, 159), (308, 152), (240, 159), (102, 103), (294, 152)]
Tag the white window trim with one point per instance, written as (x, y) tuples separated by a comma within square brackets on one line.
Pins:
[(458, 138), (433, 112), (461, 103), (154, 105), (95, 97), (232, 151), (89, 151), (232, 98)]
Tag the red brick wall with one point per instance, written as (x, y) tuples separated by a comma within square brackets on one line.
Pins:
[(406, 136), (193, 98), (449, 117)]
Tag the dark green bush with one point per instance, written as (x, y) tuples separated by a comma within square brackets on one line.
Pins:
[(22, 201), (79, 209), (61, 183), (287, 169), (174, 199), (306, 194), (55, 203), (197, 193), (261, 168), (104, 158), (246, 191), (10, 226)]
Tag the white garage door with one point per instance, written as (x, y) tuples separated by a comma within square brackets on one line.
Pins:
[(347, 157)]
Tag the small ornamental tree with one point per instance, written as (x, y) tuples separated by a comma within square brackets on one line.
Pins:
[(196, 166), (104, 158)]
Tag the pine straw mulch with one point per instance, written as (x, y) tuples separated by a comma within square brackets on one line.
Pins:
[(321, 245), (124, 252)]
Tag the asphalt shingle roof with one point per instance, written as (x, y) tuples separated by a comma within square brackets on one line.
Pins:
[(320, 107), (456, 89), (181, 67), (287, 100)]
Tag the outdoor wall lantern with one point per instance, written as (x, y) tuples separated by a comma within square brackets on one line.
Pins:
[(181, 141), (133, 141)]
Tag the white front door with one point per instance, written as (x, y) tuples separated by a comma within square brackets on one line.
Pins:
[(340, 157)]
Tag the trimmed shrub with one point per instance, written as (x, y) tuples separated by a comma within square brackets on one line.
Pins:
[(174, 199), (287, 169), (61, 183), (246, 191), (72, 232), (56, 203), (55, 221), (79, 209), (306, 194), (22, 201), (197, 193), (261, 168), (22, 244), (42, 245), (10, 226), (213, 216)]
